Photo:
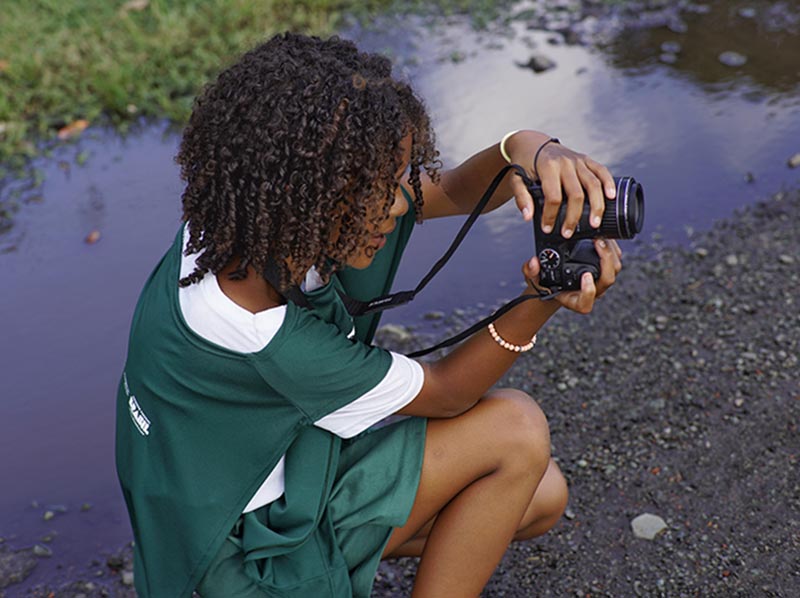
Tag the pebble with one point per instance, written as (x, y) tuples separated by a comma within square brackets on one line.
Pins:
[(48, 515), (785, 258), (42, 551), (647, 526), (538, 63), (732, 260), (434, 315), (747, 12), (794, 161), (733, 59), (678, 26), (457, 56), (701, 252), (93, 237), (668, 58), (127, 578), (394, 333), (671, 47)]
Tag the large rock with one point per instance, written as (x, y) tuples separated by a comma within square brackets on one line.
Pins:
[(15, 565), (647, 526)]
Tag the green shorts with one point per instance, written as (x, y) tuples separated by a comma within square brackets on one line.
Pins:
[(373, 492)]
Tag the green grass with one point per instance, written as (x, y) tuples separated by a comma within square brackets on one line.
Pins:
[(64, 60)]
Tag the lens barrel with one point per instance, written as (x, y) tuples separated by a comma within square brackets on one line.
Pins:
[(623, 218)]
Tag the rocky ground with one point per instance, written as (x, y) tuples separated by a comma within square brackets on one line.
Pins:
[(679, 397)]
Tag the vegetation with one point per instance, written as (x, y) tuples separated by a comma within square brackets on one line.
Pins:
[(65, 64)]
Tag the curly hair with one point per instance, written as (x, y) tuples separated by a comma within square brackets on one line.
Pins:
[(292, 153)]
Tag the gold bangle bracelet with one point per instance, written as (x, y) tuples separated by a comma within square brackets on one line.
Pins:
[(505, 138)]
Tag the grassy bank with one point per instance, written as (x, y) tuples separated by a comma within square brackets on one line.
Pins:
[(74, 62)]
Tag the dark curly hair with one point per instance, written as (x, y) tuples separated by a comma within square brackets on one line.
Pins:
[(292, 153)]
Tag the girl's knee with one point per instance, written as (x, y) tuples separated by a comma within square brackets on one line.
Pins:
[(521, 428), (548, 505)]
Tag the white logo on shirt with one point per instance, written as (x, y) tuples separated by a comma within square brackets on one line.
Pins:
[(140, 420), (352, 334)]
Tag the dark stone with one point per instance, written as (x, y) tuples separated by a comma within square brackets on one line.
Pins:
[(538, 63)]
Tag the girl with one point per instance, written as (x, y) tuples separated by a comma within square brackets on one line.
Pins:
[(245, 441)]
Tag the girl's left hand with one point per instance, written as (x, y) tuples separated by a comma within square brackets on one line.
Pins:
[(562, 173), (582, 301)]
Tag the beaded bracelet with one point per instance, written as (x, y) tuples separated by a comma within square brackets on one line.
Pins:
[(508, 346)]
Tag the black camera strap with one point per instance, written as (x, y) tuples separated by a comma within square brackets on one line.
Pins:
[(356, 307), (359, 308)]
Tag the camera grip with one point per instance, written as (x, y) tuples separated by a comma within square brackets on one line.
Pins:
[(583, 258)]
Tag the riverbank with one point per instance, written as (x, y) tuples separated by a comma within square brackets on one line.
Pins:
[(69, 68), (678, 397)]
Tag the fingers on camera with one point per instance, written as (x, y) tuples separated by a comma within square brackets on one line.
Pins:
[(594, 190), (585, 299)]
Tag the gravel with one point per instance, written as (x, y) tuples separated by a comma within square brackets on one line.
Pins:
[(678, 397)]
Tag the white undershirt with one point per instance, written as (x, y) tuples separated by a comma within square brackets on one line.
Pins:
[(214, 316)]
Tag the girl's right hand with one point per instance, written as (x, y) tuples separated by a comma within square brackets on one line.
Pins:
[(582, 301)]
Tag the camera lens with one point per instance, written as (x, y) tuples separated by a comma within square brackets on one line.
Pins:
[(623, 218)]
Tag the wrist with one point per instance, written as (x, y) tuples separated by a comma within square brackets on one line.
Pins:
[(521, 145), (542, 307)]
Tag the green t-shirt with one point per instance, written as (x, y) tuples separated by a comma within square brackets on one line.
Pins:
[(199, 427)]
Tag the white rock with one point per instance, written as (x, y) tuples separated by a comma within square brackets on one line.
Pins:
[(394, 332), (42, 551), (733, 59), (127, 578), (647, 526), (794, 161)]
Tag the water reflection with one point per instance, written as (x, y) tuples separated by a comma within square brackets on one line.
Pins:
[(766, 33)]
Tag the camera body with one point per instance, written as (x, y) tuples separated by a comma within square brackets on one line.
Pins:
[(564, 261)]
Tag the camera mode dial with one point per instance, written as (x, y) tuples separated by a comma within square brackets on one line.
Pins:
[(549, 258)]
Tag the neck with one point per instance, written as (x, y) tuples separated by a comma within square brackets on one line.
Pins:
[(253, 292)]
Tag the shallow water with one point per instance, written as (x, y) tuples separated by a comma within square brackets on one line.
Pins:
[(689, 131)]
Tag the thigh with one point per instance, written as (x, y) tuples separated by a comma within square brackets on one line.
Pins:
[(462, 449)]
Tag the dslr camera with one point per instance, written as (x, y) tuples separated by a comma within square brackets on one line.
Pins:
[(564, 261)]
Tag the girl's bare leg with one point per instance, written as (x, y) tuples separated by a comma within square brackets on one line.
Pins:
[(544, 511), (477, 492)]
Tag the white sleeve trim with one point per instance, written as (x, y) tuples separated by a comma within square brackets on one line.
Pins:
[(398, 388)]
